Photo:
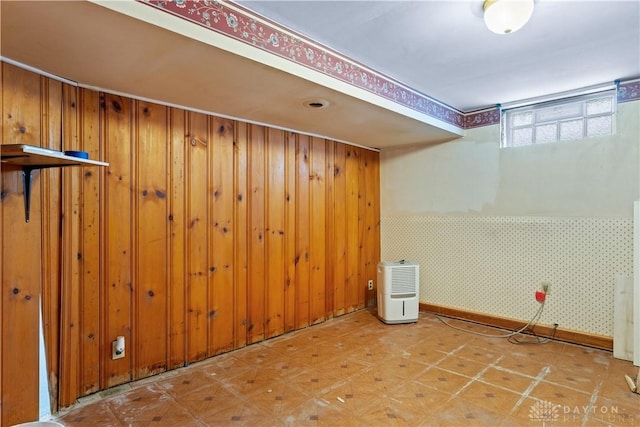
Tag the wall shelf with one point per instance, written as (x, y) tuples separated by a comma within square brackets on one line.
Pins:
[(30, 158)]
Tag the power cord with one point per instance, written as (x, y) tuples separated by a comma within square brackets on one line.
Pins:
[(537, 339), (512, 336)]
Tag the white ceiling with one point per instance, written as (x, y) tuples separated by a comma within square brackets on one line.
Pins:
[(441, 49), (444, 50)]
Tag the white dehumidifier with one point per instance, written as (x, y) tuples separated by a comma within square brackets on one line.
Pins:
[(398, 291)]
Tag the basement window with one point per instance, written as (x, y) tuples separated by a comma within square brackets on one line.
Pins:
[(566, 120)]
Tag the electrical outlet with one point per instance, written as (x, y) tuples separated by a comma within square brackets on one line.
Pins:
[(545, 287), (117, 348), (370, 284)]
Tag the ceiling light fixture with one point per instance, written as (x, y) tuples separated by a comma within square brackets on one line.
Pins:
[(507, 16)]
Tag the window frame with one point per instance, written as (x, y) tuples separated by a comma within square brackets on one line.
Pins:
[(578, 103)]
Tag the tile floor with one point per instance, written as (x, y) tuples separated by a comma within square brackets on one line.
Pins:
[(356, 371)]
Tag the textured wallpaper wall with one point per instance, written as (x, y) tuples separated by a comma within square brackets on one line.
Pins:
[(494, 265)]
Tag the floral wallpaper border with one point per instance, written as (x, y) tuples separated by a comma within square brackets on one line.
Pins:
[(629, 91), (240, 24)]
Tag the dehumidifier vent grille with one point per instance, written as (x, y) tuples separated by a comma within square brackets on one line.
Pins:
[(403, 280)]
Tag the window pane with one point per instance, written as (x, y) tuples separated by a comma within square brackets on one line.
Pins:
[(546, 133), (522, 119), (571, 130), (599, 106), (522, 136), (562, 120), (558, 112), (599, 126)]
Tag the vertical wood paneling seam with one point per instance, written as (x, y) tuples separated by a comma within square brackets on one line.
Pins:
[(303, 221), (170, 238), (265, 231), (187, 239), (77, 215), (311, 198), (133, 240), (81, 246), (234, 260), (250, 215), (238, 247), (211, 139), (64, 356), (233, 242), (104, 242), (90, 224), (296, 250), (72, 278), (44, 231), (102, 222), (329, 292), (296, 308), (135, 237), (285, 219), (361, 234), (168, 243), (248, 200), (287, 214), (236, 229), (69, 353), (185, 243)]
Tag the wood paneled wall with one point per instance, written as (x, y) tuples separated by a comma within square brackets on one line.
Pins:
[(203, 235)]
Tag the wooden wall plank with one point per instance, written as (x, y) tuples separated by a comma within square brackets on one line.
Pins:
[(118, 212), (362, 241), (372, 237), (257, 257), (221, 249), (51, 236), (179, 146), (71, 292), (362, 228), (91, 268), (352, 286), (21, 252), (303, 233), (329, 232), (275, 233), (290, 230), (340, 229), (317, 247), (150, 239), (376, 212), (241, 233), (197, 235)]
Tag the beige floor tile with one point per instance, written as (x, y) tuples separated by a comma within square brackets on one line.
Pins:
[(523, 364), (97, 414), (560, 395), (459, 412), (461, 366), (506, 379), (490, 397), (442, 380)]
